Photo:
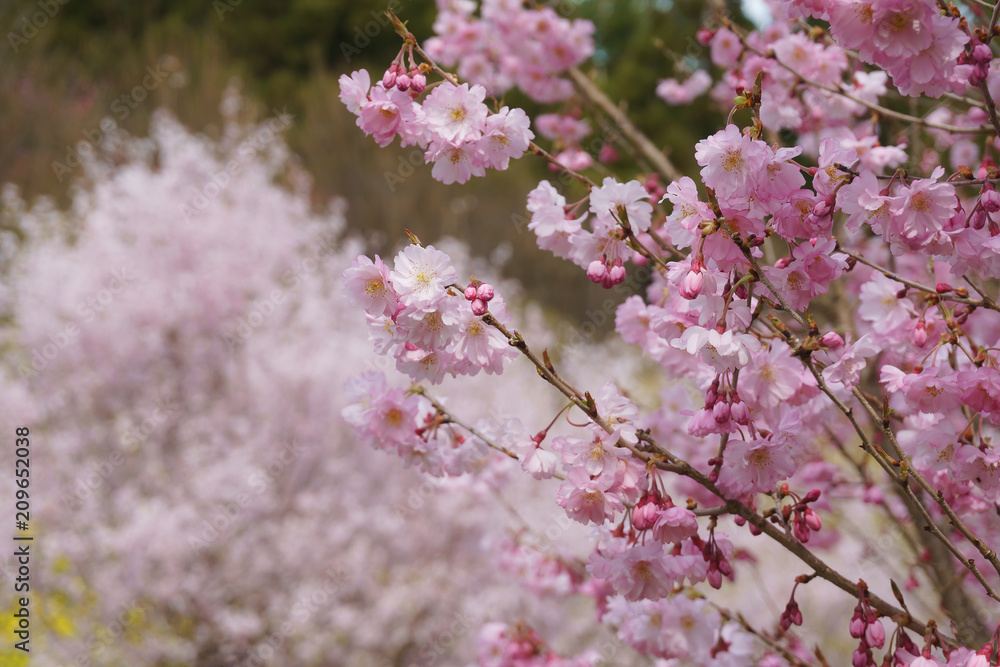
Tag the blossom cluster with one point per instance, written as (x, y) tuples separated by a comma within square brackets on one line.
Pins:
[(510, 45), (414, 317), (617, 209), (461, 137), (795, 289)]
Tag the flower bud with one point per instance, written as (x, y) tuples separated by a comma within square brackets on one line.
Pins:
[(812, 496), (920, 334), (721, 412), (981, 53), (821, 208), (471, 293), (418, 83), (979, 219), (875, 634), (645, 512), (389, 78), (597, 271), (691, 285), (831, 340), (990, 200), (739, 412), (812, 520), (485, 292), (617, 274), (403, 82), (479, 307), (857, 626)]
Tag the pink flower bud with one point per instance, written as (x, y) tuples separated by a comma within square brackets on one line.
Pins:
[(740, 413), (860, 658), (831, 340), (979, 219), (485, 292), (857, 627), (920, 334), (471, 293), (389, 78), (875, 634), (715, 579), (797, 615), (691, 285), (403, 81), (813, 520), (617, 274), (721, 412), (418, 83), (782, 262), (479, 307), (821, 208), (645, 512), (990, 200), (812, 496), (981, 53), (597, 271)]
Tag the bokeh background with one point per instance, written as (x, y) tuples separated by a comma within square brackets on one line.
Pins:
[(288, 55)]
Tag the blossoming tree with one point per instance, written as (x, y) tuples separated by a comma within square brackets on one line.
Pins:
[(825, 284)]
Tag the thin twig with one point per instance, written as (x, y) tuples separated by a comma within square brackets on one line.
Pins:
[(644, 145)]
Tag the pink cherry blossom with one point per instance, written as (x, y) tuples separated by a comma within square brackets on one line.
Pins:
[(367, 286), (456, 113)]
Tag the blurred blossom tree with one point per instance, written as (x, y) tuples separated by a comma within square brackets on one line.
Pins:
[(178, 341)]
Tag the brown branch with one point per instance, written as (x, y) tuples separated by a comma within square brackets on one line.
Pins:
[(979, 303), (664, 460), (655, 156)]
